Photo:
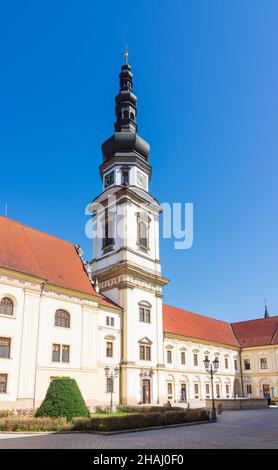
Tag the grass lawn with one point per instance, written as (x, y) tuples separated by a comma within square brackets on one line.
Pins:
[(108, 415)]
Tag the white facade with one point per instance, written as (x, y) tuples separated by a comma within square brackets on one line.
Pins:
[(32, 333)]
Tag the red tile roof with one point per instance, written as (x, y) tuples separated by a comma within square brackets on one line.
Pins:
[(184, 323), (29, 251), (260, 332)]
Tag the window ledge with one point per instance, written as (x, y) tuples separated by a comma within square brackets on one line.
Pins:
[(7, 316), (107, 249)]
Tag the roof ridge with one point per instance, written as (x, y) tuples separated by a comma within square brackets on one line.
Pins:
[(35, 229), (198, 314), (254, 319), (273, 336), (236, 336)]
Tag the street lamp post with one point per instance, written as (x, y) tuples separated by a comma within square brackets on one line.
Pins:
[(111, 374), (212, 368)]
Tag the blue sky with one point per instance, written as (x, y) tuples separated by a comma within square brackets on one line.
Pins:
[(206, 75)]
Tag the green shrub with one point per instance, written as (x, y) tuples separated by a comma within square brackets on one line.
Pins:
[(140, 420), (34, 424), (147, 409), (82, 424), (124, 409), (63, 399)]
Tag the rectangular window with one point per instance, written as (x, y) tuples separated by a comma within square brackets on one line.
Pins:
[(107, 321), (148, 353), (170, 390), (109, 349), (195, 359), (217, 391), (226, 363), (196, 390), (183, 358), (169, 357), (144, 315), (247, 365), (3, 383), (249, 389), (112, 321), (263, 362), (5, 348), (207, 391), (65, 353), (109, 385), (145, 353), (227, 387), (235, 364), (56, 348)]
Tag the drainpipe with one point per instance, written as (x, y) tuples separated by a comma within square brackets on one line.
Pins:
[(37, 346), (241, 375)]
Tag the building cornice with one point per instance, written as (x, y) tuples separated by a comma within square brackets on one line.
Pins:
[(200, 340), (258, 348), (129, 269), (37, 282)]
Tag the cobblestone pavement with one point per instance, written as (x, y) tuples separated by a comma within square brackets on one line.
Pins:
[(234, 429)]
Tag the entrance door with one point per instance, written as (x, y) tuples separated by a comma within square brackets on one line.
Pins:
[(146, 391), (183, 392), (266, 390)]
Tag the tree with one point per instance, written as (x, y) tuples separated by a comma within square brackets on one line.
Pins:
[(63, 398)]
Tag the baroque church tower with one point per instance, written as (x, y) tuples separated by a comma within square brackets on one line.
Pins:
[(126, 262)]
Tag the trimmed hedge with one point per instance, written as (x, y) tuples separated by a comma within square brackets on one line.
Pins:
[(140, 420), (63, 399), (148, 409), (105, 424), (34, 424)]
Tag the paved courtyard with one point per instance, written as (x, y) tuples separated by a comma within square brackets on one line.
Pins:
[(234, 429)]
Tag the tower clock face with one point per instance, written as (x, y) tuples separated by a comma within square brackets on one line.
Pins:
[(141, 179), (109, 179)]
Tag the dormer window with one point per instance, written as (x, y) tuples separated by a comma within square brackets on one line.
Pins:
[(109, 179)]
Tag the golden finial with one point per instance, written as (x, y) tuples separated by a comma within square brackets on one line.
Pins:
[(126, 54)]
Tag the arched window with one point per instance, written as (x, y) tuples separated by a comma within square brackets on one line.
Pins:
[(108, 235), (6, 306), (62, 318), (143, 235), (143, 226)]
